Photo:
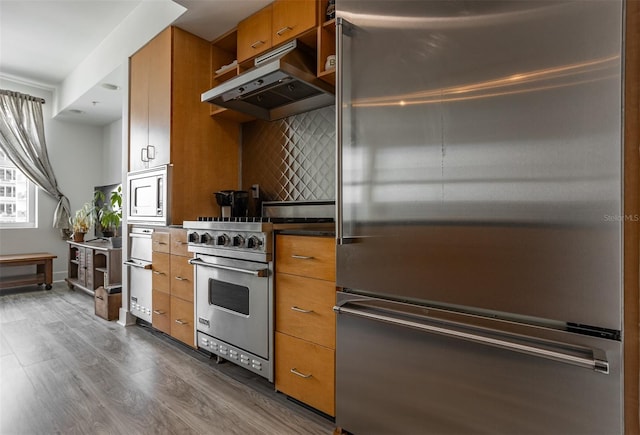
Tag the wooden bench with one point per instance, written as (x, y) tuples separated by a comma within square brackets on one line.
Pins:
[(44, 269)]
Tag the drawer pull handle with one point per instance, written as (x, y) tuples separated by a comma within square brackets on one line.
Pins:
[(158, 312), (100, 297), (257, 44), (302, 257), (181, 322), (158, 273), (302, 375), (300, 310), (161, 243), (283, 30), (179, 278)]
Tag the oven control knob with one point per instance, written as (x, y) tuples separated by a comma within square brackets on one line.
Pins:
[(205, 238), (194, 238), (238, 240), (254, 243), (222, 240)]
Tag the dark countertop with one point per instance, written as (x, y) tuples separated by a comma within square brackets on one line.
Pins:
[(307, 232)]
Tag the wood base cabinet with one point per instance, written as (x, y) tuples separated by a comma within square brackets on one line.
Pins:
[(173, 307), (306, 371), (305, 323)]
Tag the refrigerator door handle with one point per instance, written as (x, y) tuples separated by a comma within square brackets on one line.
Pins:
[(596, 361), (339, 124)]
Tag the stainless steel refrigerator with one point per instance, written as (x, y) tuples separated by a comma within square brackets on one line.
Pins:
[(479, 219)]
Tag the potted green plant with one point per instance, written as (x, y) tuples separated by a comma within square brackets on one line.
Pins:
[(110, 215), (82, 221)]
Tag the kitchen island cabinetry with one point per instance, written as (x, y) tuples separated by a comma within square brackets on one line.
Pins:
[(172, 284), (305, 293), (168, 124), (94, 264)]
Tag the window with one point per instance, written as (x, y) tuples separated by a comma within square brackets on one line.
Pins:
[(17, 197)]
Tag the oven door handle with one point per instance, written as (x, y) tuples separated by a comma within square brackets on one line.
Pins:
[(138, 265), (260, 273)]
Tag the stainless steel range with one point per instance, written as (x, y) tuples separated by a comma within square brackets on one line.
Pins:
[(233, 259)]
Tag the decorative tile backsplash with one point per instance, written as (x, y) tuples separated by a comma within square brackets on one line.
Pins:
[(292, 159)]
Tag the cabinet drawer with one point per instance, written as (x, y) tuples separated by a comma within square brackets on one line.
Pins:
[(304, 308), (291, 18), (315, 362), (182, 327), (181, 278), (160, 242), (314, 257), (254, 34), (179, 242), (161, 272), (161, 311)]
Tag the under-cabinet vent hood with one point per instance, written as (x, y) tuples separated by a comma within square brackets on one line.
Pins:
[(283, 82)]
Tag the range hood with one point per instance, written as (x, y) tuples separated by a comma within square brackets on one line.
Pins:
[(283, 82)]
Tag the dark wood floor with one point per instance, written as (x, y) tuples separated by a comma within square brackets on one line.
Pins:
[(65, 370)]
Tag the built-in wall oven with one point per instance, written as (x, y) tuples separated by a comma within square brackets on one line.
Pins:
[(148, 198), (139, 264)]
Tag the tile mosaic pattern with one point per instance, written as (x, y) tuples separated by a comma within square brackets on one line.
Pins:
[(292, 159)]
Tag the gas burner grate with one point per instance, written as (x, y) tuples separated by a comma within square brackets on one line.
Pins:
[(275, 220)]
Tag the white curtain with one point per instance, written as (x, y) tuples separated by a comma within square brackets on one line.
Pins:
[(22, 140)]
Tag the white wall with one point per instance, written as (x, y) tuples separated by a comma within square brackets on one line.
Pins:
[(112, 153), (75, 152)]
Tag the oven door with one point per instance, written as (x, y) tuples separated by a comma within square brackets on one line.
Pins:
[(233, 302)]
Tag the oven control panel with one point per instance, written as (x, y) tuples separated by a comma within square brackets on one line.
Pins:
[(228, 239), (236, 355)]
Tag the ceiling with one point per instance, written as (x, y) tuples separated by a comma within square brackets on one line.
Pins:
[(42, 43)]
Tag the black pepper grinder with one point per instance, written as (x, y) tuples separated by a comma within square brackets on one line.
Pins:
[(331, 10)]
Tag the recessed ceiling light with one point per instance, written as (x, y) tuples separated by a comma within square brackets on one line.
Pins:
[(110, 86), (76, 111)]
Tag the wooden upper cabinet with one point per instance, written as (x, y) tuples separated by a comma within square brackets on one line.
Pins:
[(168, 124), (150, 104), (254, 34), (138, 108), (160, 100), (292, 18)]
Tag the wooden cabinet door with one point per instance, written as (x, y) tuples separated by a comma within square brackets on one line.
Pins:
[(292, 18), (138, 107), (182, 285), (160, 242), (161, 272), (161, 313), (313, 257), (179, 242), (82, 266), (306, 371), (182, 326), (160, 99), (254, 34), (304, 308)]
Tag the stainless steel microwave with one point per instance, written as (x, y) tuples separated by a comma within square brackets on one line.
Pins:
[(148, 199)]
